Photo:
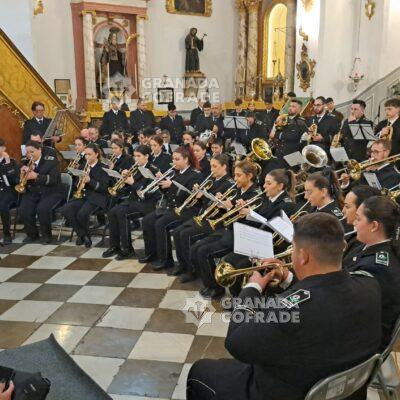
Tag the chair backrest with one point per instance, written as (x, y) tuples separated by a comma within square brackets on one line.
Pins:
[(66, 181), (344, 384), (393, 340)]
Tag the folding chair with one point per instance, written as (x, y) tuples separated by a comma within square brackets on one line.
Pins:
[(67, 182), (387, 378), (343, 384)]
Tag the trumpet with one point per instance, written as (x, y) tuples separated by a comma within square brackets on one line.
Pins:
[(225, 274), (313, 132), (234, 215), (75, 162), (81, 184), (389, 134), (192, 199), (21, 186), (281, 121), (336, 141), (153, 186), (112, 159), (113, 190), (212, 210), (392, 193)]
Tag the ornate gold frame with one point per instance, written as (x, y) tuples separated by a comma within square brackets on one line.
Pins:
[(170, 6), (305, 61)]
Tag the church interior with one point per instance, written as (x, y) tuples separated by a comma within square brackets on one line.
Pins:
[(106, 296)]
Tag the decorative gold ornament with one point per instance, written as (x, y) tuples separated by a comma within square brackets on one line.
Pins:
[(308, 4), (370, 8), (252, 5), (305, 69), (240, 5), (130, 38), (93, 12), (38, 8), (188, 9), (303, 34)]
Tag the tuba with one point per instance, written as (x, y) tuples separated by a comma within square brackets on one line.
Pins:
[(281, 121), (226, 274), (21, 186), (315, 156)]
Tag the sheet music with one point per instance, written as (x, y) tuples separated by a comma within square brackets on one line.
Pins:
[(255, 217), (339, 154), (211, 197), (181, 187), (174, 147), (252, 242), (112, 173), (146, 173), (240, 150), (283, 227), (372, 180), (23, 150), (235, 122), (76, 172), (107, 151), (294, 159), (362, 132), (68, 155), (71, 147)]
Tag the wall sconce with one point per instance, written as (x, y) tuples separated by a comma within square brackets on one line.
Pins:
[(370, 8), (303, 34), (355, 75), (38, 8)]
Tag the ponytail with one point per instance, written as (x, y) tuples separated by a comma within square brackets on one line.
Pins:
[(287, 178), (186, 152)]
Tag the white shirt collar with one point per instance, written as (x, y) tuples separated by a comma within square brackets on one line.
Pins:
[(39, 119), (273, 199), (326, 205), (184, 170), (92, 165), (382, 166), (38, 161), (370, 245), (393, 120)]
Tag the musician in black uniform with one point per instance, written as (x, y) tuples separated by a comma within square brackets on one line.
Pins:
[(188, 139), (385, 172), (96, 139), (133, 206), (141, 118), (330, 106), (166, 148), (161, 160), (278, 360), (78, 210), (220, 242), (9, 173), (288, 136), (195, 113), (38, 124), (43, 193), (122, 160), (204, 121), (79, 160), (392, 110), (377, 224), (200, 152), (189, 232), (157, 224), (256, 130), (269, 115), (355, 149), (327, 125), (218, 120), (174, 124), (352, 201), (46, 150), (231, 133), (114, 119)]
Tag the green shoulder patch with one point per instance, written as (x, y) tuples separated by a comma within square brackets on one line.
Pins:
[(299, 296), (382, 258)]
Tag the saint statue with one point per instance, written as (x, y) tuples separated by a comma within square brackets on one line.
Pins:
[(193, 45)]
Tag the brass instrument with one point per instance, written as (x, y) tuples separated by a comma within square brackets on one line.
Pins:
[(212, 210), (75, 162), (21, 186), (312, 133), (113, 190), (336, 141), (389, 134), (112, 159), (192, 199), (392, 193), (229, 217), (153, 186), (260, 150), (81, 184), (315, 156), (225, 274), (281, 121)]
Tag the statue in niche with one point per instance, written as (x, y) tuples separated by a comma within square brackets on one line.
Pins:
[(193, 45)]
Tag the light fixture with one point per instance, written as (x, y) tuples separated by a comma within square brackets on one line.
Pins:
[(370, 8), (38, 8), (355, 75)]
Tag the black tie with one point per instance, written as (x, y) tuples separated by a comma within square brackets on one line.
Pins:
[(40, 121)]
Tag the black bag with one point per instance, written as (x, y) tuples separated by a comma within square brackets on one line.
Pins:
[(27, 385)]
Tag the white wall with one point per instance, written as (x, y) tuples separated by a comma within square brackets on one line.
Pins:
[(165, 43)]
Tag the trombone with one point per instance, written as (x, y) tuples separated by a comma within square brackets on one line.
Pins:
[(192, 199), (212, 210), (153, 186), (113, 190), (225, 274), (234, 215)]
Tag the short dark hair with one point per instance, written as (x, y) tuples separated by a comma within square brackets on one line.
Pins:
[(218, 141), (119, 142), (82, 139), (143, 149), (291, 94), (171, 107), (238, 102), (329, 100), (268, 100), (32, 143), (363, 192), (95, 148), (223, 159), (323, 233), (207, 104), (251, 114), (299, 102), (158, 139), (322, 98), (362, 103), (148, 132), (36, 104), (393, 103)]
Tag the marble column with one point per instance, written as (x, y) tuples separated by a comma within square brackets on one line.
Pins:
[(240, 80), (252, 47), (290, 46), (88, 43), (141, 53)]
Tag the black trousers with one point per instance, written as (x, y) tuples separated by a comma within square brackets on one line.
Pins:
[(203, 252), (77, 212), (33, 204), (7, 198), (184, 238), (118, 222)]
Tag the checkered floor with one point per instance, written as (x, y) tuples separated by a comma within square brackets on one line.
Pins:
[(120, 321)]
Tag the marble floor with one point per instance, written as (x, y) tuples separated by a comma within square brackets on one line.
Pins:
[(119, 320)]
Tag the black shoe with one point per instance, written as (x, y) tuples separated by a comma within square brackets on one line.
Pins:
[(159, 265), (110, 252), (7, 239), (216, 292), (79, 241), (46, 240), (87, 242), (175, 271), (30, 239), (125, 255), (187, 277), (146, 259)]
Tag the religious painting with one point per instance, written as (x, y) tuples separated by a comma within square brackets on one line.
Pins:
[(165, 95), (190, 7), (305, 69)]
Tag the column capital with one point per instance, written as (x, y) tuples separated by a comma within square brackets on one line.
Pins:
[(142, 17), (85, 12), (253, 5), (240, 5)]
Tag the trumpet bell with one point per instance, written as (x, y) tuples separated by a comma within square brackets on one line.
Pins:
[(260, 150), (315, 156), (20, 188), (223, 274)]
